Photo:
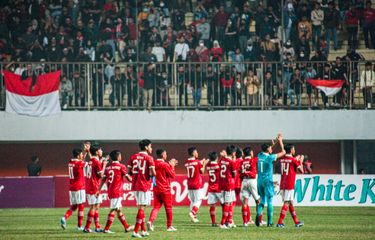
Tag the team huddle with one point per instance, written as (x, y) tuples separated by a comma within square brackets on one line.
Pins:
[(233, 173)]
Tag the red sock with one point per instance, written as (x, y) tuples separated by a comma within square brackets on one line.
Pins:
[(225, 214), (293, 213), (90, 217), (111, 217), (139, 220), (169, 216), (248, 214), (230, 215), (195, 210), (81, 212), (123, 221), (143, 226), (244, 213), (284, 209), (261, 218), (96, 219), (213, 214), (70, 211)]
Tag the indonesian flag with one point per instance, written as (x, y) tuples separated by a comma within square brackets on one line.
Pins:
[(329, 87), (42, 100)]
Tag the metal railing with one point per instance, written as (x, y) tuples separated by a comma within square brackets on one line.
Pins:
[(213, 85)]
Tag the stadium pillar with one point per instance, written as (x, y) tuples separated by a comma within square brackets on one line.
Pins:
[(342, 156), (355, 171)]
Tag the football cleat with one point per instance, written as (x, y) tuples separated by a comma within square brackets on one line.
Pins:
[(193, 218), (80, 228), (222, 226), (108, 231), (231, 225), (269, 225), (136, 235), (280, 225), (87, 230), (145, 234), (130, 228), (98, 230), (246, 224), (299, 224), (150, 226), (214, 225), (171, 229), (63, 223), (257, 223)]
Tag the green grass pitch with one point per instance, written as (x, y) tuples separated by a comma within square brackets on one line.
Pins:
[(320, 223)]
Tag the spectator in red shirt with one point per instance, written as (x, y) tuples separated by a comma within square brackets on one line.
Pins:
[(216, 52), (352, 21), (226, 81), (220, 21), (369, 24)]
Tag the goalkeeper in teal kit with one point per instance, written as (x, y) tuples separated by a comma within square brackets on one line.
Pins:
[(265, 179)]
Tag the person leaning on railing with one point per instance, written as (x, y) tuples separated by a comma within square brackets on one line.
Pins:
[(366, 83)]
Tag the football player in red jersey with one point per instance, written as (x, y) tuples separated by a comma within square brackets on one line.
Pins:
[(248, 174), (94, 173), (237, 180), (141, 167), (162, 190), (289, 166), (195, 168), (214, 194), (114, 177), (77, 193), (227, 176)]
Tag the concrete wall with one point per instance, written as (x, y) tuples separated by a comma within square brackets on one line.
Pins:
[(190, 125)]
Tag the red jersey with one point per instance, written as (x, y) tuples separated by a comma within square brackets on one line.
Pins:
[(288, 165), (115, 179), (248, 168), (194, 178), (141, 163), (163, 178), (227, 168), (94, 167), (76, 175), (237, 179), (213, 169)]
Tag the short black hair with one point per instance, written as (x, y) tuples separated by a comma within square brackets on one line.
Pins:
[(212, 156), (76, 152), (231, 149), (34, 158), (159, 152), (143, 144), (114, 155), (247, 151), (191, 151), (239, 153), (94, 149), (288, 148), (265, 146)]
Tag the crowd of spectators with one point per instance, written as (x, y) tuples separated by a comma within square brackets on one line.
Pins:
[(153, 32)]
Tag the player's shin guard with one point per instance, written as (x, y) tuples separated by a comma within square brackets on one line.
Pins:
[(81, 212), (96, 219), (111, 217), (213, 214), (139, 220), (284, 209), (245, 217), (70, 211), (122, 219), (293, 213), (90, 217)]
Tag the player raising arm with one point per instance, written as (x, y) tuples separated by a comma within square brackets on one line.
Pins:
[(195, 168), (289, 166), (141, 167), (162, 190), (77, 193), (265, 179)]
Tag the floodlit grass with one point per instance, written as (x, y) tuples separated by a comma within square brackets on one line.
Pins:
[(320, 223)]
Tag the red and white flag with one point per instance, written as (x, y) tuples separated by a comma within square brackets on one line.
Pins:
[(39, 101), (329, 87)]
